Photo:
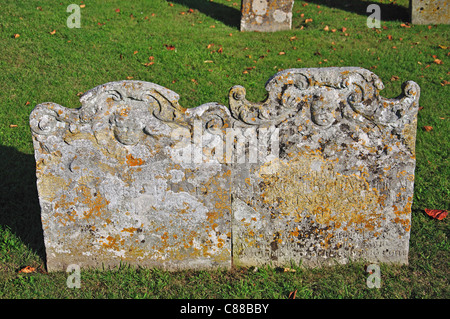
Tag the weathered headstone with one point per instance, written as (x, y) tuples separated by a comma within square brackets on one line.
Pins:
[(266, 15), (112, 190), (342, 186), (430, 11), (320, 172)]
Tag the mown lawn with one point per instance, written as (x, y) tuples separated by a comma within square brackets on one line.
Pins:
[(200, 54)]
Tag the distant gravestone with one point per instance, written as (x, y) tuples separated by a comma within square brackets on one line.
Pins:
[(430, 11), (266, 15), (321, 172)]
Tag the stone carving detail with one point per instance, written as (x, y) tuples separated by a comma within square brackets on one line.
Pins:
[(131, 176)]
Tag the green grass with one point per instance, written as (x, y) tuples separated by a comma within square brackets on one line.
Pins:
[(38, 66)]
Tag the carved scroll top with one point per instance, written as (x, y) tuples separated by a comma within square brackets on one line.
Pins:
[(321, 96)]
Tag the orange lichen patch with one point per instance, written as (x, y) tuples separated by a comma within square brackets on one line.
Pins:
[(332, 198), (130, 230), (131, 161)]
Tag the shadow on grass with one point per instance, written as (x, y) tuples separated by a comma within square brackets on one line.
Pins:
[(228, 15), (19, 202), (389, 11)]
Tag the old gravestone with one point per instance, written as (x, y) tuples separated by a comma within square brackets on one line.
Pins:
[(430, 11), (320, 172), (266, 15)]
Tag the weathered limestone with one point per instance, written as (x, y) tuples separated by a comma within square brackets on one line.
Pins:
[(266, 15), (320, 172), (430, 11), (110, 190), (342, 186)]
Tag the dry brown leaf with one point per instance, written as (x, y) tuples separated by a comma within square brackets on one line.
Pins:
[(289, 270), (438, 214), (82, 5), (12, 125), (53, 32), (281, 53), (428, 128), (394, 78), (437, 61), (326, 28), (292, 294), (27, 270), (16, 35), (129, 77)]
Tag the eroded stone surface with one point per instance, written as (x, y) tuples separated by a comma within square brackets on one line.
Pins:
[(342, 186), (430, 11), (320, 172), (266, 15), (110, 189)]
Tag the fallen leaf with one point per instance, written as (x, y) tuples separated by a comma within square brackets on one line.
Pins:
[(191, 10), (169, 47), (389, 37), (245, 72), (344, 29), (428, 128), (129, 77), (27, 270), (82, 5), (394, 78), (445, 82), (292, 294), (438, 214), (149, 63), (151, 58), (281, 53), (53, 32), (117, 10), (289, 270), (16, 35), (443, 47), (12, 125), (308, 20), (170, 4), (135, 52), (220, 50), (437, 61), (208, 61), (293, 38), (403, 25), (429, 27), (333, 30), (326, 28), (28, 103)]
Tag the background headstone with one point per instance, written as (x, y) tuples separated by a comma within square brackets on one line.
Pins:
[(266, 15), (430, 11)]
